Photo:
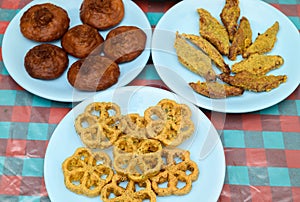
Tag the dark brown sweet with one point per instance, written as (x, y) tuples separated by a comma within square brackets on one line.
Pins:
[(46, 61), (93, 73), (124, 43), (81, 40), (44, 22), (102, 14)]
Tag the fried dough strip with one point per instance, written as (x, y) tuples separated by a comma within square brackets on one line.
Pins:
[(242, 39), (193, 59), (258, 64), (213, 31), (209, 49), (263, 42), (215, 89), (229, 16), (252, 82)]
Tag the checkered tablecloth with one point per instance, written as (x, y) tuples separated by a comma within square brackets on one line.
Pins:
[(262, 148)]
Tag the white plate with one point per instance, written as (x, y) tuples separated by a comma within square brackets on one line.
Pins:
[(184, 18), (65, 141), (15, 46)]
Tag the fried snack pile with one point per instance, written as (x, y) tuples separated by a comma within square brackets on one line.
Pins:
[(97, 59), (231, 37), (144, 152)]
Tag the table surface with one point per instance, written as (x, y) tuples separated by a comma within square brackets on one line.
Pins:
[(262, 148)]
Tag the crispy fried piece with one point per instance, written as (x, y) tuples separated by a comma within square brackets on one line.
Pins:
[(193, 59), (258, 64), (252, 82), (263, 42), (229, 16), (175, 169), (215, 89), (212, 30), (242, 39), (209, 49)]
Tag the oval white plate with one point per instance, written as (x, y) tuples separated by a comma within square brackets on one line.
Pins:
[(65, 141), (184, 18), (15, 46)]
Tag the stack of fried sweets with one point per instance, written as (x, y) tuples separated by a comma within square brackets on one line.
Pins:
[(229, 38), (145, 156), (97, 66)]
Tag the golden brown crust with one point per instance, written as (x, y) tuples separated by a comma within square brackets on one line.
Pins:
[(46, 61), (124, 43), (86, 172), (258, 64), (193, 59), (210, 50), (215, 90), (242, 39), (252, 82), (229, 16), (212, 30), (44, 22), (93, 73), (81, 40), (102, 14), (264, 42)]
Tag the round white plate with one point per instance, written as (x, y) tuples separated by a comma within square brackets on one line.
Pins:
[(183, 17), (15, 46), (134, 99)]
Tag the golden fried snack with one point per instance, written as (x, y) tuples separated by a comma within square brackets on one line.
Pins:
[(174, 172), (130, 193), (264, 42), (258, 64), (93, 73), (215, 89), (82, 40), (86, 173), (241, 40), (175, 126), (99, 126), (210, 50), (193, 59), (102, 14), (137, 158), (252, 82), (124, 43), (46, 61), (44, 22), (229, 16), (212, 30), (134, 125)]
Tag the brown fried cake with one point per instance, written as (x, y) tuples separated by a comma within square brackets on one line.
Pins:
[(215, 89), (124, 43), (252, 82), (46, 61), (44, 22), (212, 30), (263, 42), (229, 16), (102, 14), (81, 40), (93, 73)]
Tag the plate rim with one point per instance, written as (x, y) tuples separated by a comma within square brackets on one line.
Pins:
[(218, 146), (81, 94), (207, 104)]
